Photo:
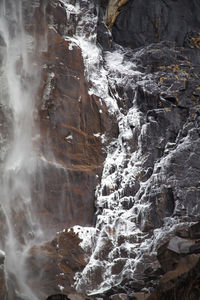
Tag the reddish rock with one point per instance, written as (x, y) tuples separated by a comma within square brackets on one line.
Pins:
[(68, 118), (70, 156), (56, 262)]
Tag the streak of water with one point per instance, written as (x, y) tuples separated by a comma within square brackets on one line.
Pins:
[(19, 77)]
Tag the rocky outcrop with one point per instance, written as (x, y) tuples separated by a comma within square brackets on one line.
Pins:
[(143, 22), (112, 11), (143, 235), (179, 260), (149, 189), (71, 122), (148, 196), (56, 262)]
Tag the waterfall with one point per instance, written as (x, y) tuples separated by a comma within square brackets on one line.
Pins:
[(19, 84)]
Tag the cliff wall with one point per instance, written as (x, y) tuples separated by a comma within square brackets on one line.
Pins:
[(118, 150)]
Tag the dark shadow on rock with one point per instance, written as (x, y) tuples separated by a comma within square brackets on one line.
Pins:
[(58, 297), (144, 22)]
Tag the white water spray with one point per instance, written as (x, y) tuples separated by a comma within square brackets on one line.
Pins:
[(19, 83)]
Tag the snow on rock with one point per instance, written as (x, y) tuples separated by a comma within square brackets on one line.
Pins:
[(140, 201), (85, 38)]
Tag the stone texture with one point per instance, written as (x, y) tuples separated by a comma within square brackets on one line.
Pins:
[(112, 11), (68, 118), (139, 296), (167, 139), (181, 282), (59, 260), (69, 150), (144, 22), (119, 297), (167, 98)]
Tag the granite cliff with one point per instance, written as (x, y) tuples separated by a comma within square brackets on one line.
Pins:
[(117, 185)]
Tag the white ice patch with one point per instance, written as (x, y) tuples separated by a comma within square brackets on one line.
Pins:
[(71, 45), (70, 9), (116, 64), (61, 287), (69, 137), (51, 162), (96, 73), (97, 134), (86, 234)]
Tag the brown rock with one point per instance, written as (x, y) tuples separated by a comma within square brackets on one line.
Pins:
[(119, 297), (118, 266), (181, 283), (68, 118), (69, 155), (56, 262), (139, 296), (184, 265), (181, 268)]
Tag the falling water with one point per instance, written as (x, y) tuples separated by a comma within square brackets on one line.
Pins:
[(19, 84)]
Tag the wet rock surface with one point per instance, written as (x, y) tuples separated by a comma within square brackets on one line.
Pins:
[(143, 235), (59, 260), (71, 122), (148, 197), (69, 148), (167, 182), (144, 245)]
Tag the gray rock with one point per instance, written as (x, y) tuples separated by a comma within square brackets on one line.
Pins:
[(145, 22), (119, 297)]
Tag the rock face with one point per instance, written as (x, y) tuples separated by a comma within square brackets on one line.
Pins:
[(144, 22), (113, 10), (59, 260), (143, 244), (149, 190), (149, 187), (129, 109), (71, 122)]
